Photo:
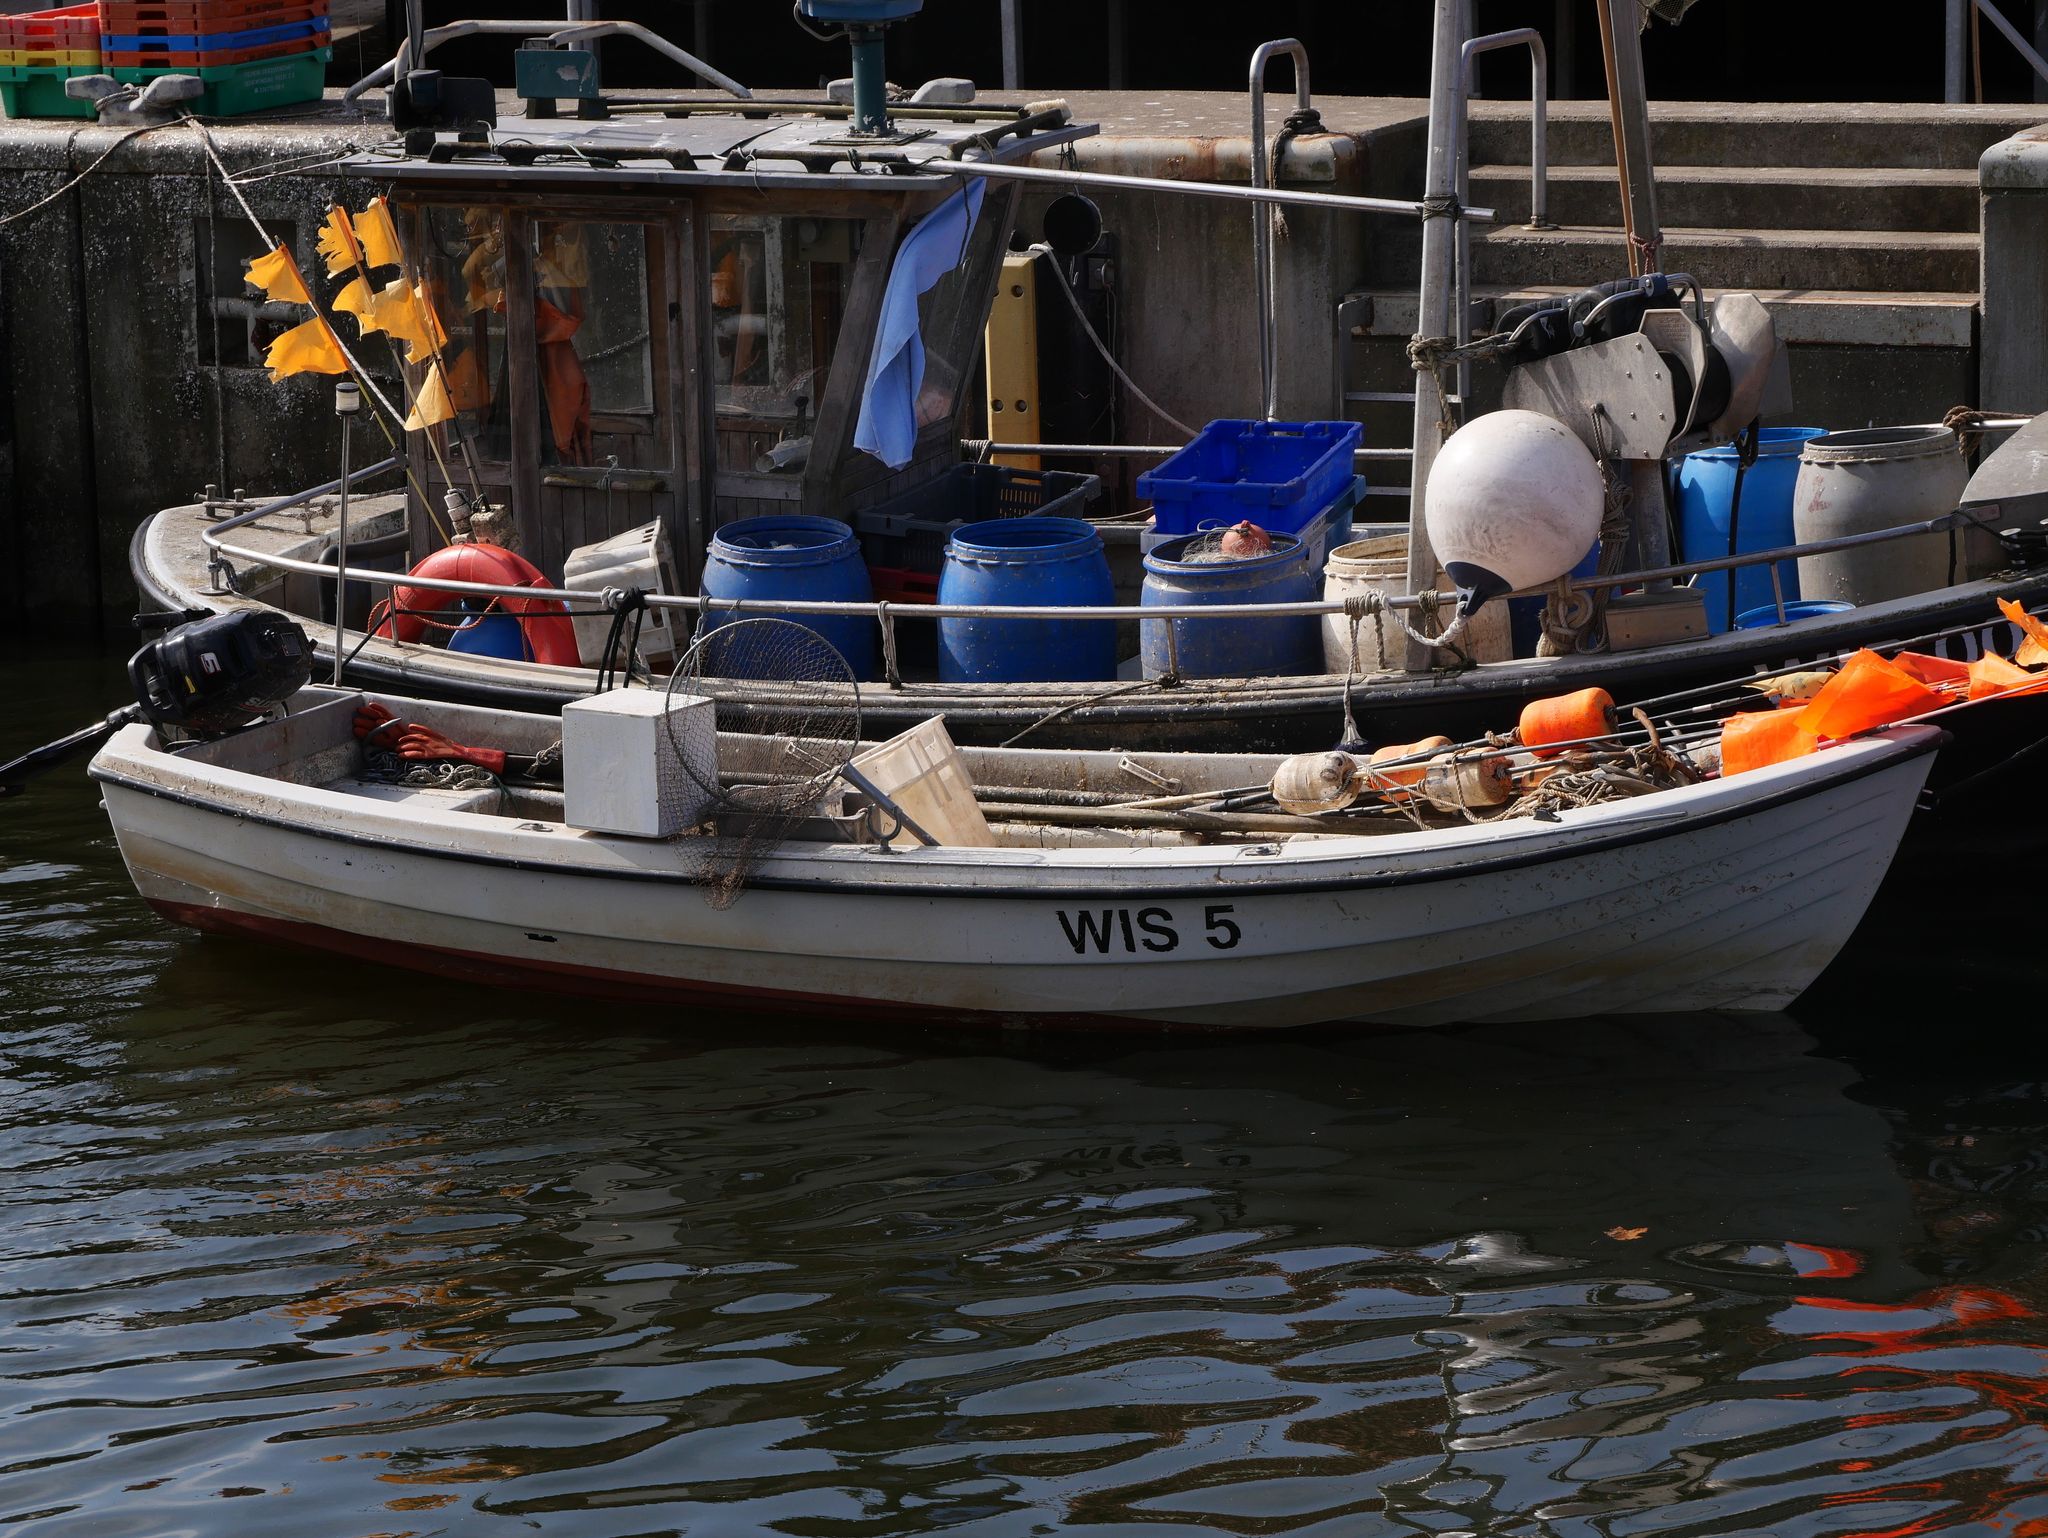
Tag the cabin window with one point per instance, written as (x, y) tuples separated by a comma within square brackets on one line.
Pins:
[(778, 297), (465, 274), (236, 323), (592, 329), (950, 317)]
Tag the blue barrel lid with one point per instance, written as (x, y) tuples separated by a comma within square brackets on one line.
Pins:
[(1769, 440), (1016, 541), (784, 539), (1166, 559)]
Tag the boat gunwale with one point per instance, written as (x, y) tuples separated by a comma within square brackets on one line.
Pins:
[(1573, 834), (511, 683)]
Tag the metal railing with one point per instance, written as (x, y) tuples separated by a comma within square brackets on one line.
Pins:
[(555, 32), (1958, 46), (1539, 163), (886, 614), (1262, 218)]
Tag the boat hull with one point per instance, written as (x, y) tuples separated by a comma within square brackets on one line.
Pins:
[(1732, 896), (1277, 715)]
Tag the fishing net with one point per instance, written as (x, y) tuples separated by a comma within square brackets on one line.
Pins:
[(785, 734), (1209, 548)]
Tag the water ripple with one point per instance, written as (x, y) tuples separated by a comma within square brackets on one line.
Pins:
[(294, 1245)]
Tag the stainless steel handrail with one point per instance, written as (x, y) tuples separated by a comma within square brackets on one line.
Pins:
[(1946, 521), (1148, 450), (1539, 163), (1957, 48), (296, 499), (1411, 207), (554, 32), (1262, 218)]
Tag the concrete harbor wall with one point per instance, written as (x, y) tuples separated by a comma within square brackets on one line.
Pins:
[(127, 388), (132, 383)]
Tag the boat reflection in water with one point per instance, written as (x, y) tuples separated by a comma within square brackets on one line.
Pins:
[(408, 1260)]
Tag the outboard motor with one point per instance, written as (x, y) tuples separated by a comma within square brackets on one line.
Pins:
[(209, 676), (217, 674)]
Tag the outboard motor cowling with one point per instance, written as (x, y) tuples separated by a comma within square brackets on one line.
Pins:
[(222, 672)]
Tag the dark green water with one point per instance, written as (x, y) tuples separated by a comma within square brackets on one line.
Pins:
[(293, 1246)]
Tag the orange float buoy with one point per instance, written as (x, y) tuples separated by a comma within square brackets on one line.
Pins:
[(1386, 780), (549, 636), (1243, 540), (1565, 718)]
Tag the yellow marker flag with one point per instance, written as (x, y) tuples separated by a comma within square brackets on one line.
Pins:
[(378, 235), (308, 348), (432, 404), (278, 276), (358, 300), (432, 335), (338, 242)]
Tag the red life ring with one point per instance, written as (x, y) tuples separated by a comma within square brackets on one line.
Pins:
[(549, 635)]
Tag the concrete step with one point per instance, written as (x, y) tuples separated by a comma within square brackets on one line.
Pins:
[(1804, 317), (1857, 260), (1858, 359), (1747, 198), (1876, 134)]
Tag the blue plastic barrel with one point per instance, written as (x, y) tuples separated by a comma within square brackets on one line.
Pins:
[(1232, 646), (1525, 615), (1026, 562), (490, 635), (1706, 487), (1795, 610), (813, 560)]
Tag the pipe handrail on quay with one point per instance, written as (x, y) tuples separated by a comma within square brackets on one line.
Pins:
[(1262, 218), (555, 32), (1411, 208)]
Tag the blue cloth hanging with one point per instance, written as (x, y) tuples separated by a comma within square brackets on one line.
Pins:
[(888, 404)]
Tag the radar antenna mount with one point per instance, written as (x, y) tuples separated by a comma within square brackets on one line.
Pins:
[(864, 22)]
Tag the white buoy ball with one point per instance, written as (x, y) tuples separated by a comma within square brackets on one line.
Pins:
[(1514, 501)]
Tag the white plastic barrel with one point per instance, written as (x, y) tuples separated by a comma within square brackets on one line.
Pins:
[(1879, 478), (1380, 565)]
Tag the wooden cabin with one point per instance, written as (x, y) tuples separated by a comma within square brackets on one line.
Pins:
[(670, 314)]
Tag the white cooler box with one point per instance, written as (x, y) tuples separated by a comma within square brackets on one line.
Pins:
[(637, 558)]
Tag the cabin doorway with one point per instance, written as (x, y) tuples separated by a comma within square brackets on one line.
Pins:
[(563, 366)]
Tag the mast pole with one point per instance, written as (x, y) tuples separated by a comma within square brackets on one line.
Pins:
[(1621, 41), (1433, 323)]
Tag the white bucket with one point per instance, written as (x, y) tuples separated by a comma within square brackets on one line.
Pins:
[(1381, 566)]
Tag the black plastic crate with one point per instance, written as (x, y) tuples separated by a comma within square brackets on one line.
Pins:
[(910, 532)]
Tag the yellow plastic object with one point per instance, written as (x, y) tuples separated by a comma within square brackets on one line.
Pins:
[(922, 772), (50, 58), (1011, 348)]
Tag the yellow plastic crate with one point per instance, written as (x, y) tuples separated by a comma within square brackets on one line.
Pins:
[(50, 58)]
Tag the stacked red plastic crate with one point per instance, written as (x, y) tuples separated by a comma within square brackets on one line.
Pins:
[(42, 50), (250, 53)]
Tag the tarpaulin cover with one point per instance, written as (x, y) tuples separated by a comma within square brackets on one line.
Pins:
[(888, 403)]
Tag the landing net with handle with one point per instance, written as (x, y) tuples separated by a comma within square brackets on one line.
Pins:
[(780, 749)]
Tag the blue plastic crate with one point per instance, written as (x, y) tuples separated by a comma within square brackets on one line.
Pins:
[(216, 42), (1278, 474), (1321, 534)]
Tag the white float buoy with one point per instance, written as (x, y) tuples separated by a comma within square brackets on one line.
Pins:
[(1514, 501)]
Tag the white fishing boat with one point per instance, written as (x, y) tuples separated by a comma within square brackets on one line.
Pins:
[(661, 321), (1083, 902)]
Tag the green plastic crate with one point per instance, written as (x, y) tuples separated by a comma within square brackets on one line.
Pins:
[(232, 89), (33, 91)]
